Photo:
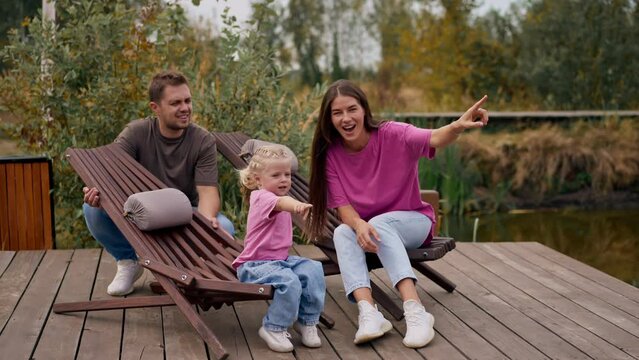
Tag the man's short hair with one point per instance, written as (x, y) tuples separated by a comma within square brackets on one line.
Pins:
[(161, 80)]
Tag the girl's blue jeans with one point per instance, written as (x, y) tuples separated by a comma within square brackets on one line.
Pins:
[(299, 290), (398, 231), (106, 233)]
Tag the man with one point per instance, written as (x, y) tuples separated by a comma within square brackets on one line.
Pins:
[(181, 154)]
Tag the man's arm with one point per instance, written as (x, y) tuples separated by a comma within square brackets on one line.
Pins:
[(209, 204)]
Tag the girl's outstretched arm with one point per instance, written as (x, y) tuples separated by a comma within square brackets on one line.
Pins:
[(287, 203)]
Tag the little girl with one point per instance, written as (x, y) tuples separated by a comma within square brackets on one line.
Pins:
[(298, 282)]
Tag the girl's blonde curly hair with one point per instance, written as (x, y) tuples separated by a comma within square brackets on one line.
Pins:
[(259, 161)]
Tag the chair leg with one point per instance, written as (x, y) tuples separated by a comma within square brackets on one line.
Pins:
[(191, 315), (110, 304), (385, 301), (436, 277), (327, 321)]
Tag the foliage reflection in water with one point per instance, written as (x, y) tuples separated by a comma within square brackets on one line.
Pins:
[(607, 240)]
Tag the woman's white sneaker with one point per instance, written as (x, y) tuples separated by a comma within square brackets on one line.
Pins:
[(276, 340), (372, 323), (128, 272), (310, 338), (419, 325)]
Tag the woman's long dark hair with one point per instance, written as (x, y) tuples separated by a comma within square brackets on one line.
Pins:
[(325, 134)]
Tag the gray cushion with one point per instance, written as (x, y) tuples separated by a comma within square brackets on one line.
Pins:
[(251, 145), (157, 209)]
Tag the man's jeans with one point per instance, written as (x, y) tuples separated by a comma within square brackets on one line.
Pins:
[(106, 233), (398, 231), (299, 289)]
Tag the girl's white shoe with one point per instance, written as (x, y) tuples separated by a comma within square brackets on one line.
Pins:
[(310, 338), (276, 340)]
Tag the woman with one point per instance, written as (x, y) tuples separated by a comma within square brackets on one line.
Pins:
[(367, 170)]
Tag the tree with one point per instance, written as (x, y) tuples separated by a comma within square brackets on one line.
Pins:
[(14, 14), (304, 22), (581, 54)]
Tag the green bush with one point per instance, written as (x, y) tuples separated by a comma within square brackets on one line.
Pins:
[(101, 58)]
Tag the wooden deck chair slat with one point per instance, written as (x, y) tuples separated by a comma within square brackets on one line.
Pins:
[(145, 181), (189, 258), (108, 192), (154, 184), (198, 231), (202, 251)]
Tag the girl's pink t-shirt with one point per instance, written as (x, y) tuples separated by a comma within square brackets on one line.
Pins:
[(269, 233), (383, 176)]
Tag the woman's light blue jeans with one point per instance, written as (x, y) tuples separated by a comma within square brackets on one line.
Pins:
[(299, 290), (106, 233), (398, 231)]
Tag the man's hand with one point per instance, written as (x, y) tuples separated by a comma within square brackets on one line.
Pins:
[(215, 223), (364, 231), (91, 196)]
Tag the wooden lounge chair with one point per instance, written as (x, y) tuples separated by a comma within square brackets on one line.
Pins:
[(192, 263), (230, 144)]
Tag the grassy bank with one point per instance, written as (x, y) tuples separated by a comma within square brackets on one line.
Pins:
[(487, 172)]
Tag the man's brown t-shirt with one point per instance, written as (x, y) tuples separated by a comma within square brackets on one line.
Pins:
[(181, 163)]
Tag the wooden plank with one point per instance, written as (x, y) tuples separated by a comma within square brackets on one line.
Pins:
[(143, 338), (588, 271), (224, 323), (15, 280), (61, 335), (11, 205), (181, 341), (388, 346), (438, 348), (5, 260), (341, 336), (21, 207), (473, 262), (21, 333), (46, 207), (564, 299), (540, 337), (332, 341), (470, 343), (102, 330), (4, 206), (29, 207), (37, 219), (503, 338), (250, 315), (600, 300)]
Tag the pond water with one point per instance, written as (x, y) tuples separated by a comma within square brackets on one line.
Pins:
[(606, 240)]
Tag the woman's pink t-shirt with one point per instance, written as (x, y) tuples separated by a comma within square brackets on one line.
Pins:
[(269, 233), (383, 176)]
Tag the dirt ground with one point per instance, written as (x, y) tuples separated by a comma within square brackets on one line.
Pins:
[(8, 147)]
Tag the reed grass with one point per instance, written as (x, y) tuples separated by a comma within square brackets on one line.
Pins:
[(485, 171)]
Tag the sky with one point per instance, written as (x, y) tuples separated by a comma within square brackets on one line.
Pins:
[(241, 9), (366, 54)]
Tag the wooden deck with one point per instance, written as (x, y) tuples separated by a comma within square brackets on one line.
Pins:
[(513, 301)]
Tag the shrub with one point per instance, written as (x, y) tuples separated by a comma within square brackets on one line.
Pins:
[(100, 59)]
